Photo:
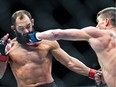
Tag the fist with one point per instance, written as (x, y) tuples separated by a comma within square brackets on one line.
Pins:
[(99, 78)]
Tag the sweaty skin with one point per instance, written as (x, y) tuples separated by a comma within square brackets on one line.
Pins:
[(103, 43), (31, 65), (101, 38), (106, 56)]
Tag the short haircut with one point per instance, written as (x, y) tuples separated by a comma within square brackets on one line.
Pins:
[(20, 14), (110, 13)]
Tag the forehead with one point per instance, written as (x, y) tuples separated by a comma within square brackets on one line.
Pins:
[(22, 21)]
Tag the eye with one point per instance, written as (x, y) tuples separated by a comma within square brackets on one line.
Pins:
[(28, 26), (20, 28)]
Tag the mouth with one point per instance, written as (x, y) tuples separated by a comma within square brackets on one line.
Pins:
[(32, 43)]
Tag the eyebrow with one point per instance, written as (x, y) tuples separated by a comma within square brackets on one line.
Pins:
[(23, 26)]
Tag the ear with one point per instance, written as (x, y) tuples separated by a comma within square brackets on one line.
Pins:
[(32, 21), (107, 21), (13, 27)]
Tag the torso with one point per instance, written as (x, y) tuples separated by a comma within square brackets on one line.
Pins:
[(105, 48), (31, 65)]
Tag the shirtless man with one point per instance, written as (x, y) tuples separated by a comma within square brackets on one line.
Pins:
[(31, 62), (102, 39)]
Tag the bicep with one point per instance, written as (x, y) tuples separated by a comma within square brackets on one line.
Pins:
[(73, 34)]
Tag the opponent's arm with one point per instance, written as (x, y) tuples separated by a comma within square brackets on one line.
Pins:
[(71, 62), (66, 34)]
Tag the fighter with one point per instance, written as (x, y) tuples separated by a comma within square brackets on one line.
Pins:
[(101, 38)]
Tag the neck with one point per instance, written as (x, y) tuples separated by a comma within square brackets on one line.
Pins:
[(111, 28)]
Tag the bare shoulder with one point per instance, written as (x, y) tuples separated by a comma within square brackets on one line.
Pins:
[(14, 42), (51, 44), (96, 32)]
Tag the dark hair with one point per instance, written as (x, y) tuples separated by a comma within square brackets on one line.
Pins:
[(20, 14), (110, 13)]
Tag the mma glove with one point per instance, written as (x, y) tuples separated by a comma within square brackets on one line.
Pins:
[(3, 56), (33, 37)]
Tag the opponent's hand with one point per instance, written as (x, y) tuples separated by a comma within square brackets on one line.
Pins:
[(33, 37), (5, 45), (99, 78)]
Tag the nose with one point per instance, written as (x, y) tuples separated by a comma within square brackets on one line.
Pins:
[(26, 30)]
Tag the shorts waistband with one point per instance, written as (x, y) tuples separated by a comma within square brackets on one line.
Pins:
[(52, 84)]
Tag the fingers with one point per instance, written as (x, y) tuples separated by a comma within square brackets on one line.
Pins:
[(98, 78), (5, 38), (9, 40), (98, 82)]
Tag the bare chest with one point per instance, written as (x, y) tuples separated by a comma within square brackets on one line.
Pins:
[(22, 55)]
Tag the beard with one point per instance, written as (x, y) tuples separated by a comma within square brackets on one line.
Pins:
[(22, 39)]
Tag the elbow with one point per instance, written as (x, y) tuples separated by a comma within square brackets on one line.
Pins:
[(56, 34)]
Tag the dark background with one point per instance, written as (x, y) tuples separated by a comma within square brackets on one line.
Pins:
[(54, 14)]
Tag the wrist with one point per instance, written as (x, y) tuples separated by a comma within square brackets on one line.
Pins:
[(4, 58), (92, 73), (36, 35)]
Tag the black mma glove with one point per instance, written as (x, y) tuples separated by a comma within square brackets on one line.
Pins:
[(2, 47), (3, 56)]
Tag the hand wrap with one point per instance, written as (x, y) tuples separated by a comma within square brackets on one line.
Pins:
[(92, 73), (3, 56)]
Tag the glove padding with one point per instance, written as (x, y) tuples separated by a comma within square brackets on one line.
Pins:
[(2, 47), (33, 37)]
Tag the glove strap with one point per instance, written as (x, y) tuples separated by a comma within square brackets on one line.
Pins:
[(3, 58), (92, 73)]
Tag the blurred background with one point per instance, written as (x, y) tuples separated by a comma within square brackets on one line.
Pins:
[(54, 14)]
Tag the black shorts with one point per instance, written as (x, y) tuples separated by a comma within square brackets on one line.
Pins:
[(48, 85)]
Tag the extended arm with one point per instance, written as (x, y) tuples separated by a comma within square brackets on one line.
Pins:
[(67, 34), (71, 62)]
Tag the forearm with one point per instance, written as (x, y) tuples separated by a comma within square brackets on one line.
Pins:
[(60, 34), (3, 66), (49, 35), (79, 67)]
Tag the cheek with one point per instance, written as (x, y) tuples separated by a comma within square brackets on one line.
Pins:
[(101, 25), (19, 32)]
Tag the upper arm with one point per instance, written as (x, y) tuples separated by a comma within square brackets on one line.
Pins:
[(59, 54), (77, 34)]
